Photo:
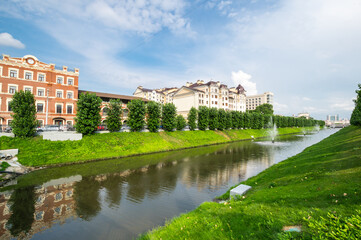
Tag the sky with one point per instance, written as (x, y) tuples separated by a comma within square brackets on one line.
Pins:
[(307, 52)]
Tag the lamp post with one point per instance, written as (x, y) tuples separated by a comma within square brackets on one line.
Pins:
[(47, 106)]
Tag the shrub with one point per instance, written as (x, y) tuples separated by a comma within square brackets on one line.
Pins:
[(136, 115), (222, 119), (181, 123), (24, 118), (203, 117), (88, 113), (356, 113), (247, 120), (192, 118), (169, 115), (153, 116), (114, 120), (213, 119)]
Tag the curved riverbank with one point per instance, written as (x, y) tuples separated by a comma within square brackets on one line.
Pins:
[(36, 152), (317, 190)]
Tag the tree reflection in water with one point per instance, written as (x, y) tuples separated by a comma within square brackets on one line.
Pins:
[(86, 195), (22, 207)]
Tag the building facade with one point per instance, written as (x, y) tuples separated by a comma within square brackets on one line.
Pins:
[(255, 100), (55, 89), (210, 94)]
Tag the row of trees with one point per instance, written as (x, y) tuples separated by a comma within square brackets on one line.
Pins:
[(152, 114)]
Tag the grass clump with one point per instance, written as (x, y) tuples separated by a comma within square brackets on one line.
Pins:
[(318, 190)]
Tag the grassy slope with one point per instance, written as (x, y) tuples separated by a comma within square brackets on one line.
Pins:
[(39, 152), (325, 177)]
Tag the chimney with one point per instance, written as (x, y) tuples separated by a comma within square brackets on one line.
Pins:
[(65, 68)]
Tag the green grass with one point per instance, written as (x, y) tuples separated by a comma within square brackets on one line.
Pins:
[(318, 189), (39, 152)]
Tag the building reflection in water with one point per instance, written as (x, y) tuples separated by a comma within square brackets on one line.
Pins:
[(57, 201)]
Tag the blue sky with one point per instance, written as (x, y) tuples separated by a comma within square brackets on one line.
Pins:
[(305, 51)]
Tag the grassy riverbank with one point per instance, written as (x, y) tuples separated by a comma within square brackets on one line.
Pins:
[(39, 152), (318, 189)]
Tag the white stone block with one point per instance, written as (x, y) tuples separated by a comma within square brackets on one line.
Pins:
[(12, 152), (239, 190)]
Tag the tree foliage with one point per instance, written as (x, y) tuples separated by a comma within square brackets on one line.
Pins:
[(181, 123), (192, 119), (222, 119), (88, 113), (169, 115), (235, 119), (136, 114), (153, 116), (24, 114), (265, 108), (213, 119), (203, 117), (228, 120), (356, 113), (114, 120)]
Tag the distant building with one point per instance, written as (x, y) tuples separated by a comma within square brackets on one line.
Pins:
[(333, 118), (55, 89), (200, 93), (306, 115), (335, 121), (254, 101)]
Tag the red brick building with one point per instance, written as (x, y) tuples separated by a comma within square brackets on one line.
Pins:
[(55, 89)]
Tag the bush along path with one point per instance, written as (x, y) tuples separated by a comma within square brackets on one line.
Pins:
[(317, 191), (39, 152)]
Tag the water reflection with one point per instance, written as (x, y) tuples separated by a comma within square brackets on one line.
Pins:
[(121, 200)]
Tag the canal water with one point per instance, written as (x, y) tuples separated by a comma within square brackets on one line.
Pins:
[(120, 199)]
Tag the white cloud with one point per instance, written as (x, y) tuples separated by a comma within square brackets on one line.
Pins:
[(7, 39), (244, 79), (279, 107), (306, 99), (347, 105)]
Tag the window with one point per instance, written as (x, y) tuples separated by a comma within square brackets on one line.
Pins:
[(216, 102), (70, 81), (40, 107), (200, 101), (28, 75), (59, 108), (69, 95), (27, 89), (12, 89), (59, 80), (9, 108), (105, 111), (41, 92), (13, 73), (59, 94), (41, 77), (69, 109)]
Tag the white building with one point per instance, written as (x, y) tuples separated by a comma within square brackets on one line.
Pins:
[(253, 101)]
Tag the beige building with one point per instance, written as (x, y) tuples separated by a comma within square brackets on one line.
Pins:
[(253, 101), (210, 94)]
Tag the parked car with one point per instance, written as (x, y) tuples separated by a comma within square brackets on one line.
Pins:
[(102, 127), (8, 129), (49, 128)]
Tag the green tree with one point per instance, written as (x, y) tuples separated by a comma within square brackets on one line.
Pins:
[(181, 123), (356, 113), (88, 113), (222, 119), (203, 117), (136, 115), (153, 116), (236, 119), (192, 119), (229, 124), (24, 118), (265, 108), (169, 115), (247, 120), (213, 119), (114, 120)]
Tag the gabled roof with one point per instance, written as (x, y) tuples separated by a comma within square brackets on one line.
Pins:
[(189, 88), (111, 95)]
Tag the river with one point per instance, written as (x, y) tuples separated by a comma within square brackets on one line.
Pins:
[(120, 199)]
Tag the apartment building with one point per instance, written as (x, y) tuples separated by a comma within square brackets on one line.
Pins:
[(200, 93), (55, 88), (161, 95), (253, 101)]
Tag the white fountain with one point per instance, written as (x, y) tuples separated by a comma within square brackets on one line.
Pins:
[(272, 132), (304, 131), (317, 128)]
